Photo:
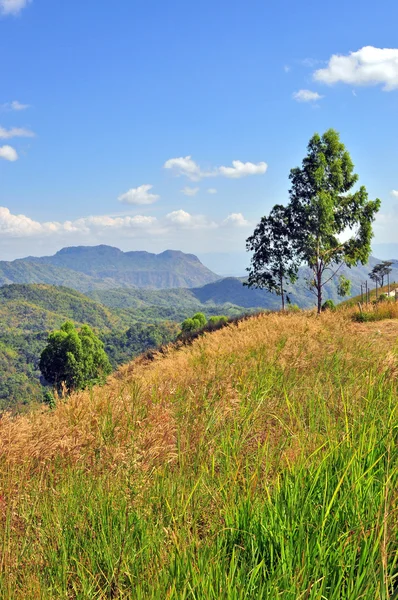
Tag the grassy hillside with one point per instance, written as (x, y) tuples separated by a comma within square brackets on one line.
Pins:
[(260, 462)]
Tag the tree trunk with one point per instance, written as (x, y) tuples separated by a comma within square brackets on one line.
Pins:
[(319, 288), (282, 292)]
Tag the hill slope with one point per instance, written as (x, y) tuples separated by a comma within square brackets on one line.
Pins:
[(256, 463), (100, 267), (230, 291), (29, 312)]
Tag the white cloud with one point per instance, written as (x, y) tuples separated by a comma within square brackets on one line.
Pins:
[(189, 168), (287, 69), (183, 219), (7, 134), (8, 153), (394, 193), (184, 166), (12, 7), (14, 105), (189, 191), (367, 66), (212, 191), (139, 195), (306, 96), (240, 169), (236, 220), (23, 226)]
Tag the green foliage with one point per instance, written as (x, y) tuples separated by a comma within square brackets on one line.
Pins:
[(74, 359), (217, 319), (200, 318), (49, 399), (321, 208), (198, 321), (274, 260), (344, 286), (328, 305), (293, 308), (190, 325), (123, 346)]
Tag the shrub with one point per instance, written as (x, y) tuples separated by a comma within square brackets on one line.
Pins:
[(200, 318), (218, 319), (49, 399), (189, 325), (383, 298), (328, 305), (293, 308)]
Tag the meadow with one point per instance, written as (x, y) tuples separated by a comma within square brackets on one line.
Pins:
[(260, 461)]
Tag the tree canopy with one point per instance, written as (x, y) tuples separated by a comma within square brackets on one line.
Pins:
[(74, 358), (274, 261)]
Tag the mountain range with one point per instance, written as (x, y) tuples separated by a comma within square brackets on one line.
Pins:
[(132, 279), (87, 268)]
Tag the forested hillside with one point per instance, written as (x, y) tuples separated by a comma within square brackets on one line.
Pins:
[(29, 312)]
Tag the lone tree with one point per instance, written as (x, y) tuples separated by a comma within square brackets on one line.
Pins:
[(275, 261), (380, 272), (322, 208), (74, 359)]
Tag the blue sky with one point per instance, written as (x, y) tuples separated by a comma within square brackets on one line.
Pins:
[(98, 98)]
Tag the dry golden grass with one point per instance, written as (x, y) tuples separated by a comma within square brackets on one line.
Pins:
[(135, 416)]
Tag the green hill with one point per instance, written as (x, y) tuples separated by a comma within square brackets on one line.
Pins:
[(35, 308)]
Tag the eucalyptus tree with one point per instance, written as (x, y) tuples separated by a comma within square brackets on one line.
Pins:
[(330, 224), (274, 263)]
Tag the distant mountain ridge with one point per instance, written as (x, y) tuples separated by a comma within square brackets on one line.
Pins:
[(87, 268)]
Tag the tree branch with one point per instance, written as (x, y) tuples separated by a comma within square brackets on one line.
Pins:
[(331, 277)]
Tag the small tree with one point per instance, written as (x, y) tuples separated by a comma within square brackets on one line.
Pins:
[(74, 359), (380, 272), (274, 262), (322, 209)]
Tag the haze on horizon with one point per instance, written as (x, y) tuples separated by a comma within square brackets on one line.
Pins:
[(156, 126)]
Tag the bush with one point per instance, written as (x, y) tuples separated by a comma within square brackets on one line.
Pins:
[(217, 320), (383, 298), (49, 399), (328, 305), (200, 318), (293, 308)]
